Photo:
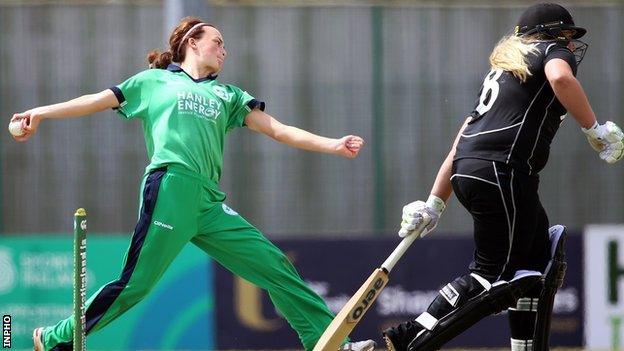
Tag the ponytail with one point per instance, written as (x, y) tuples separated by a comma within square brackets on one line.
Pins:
[(157, 59), (510, 54)]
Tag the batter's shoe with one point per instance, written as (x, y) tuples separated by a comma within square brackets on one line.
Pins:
[(368, 345), (398, 338), (37, 342)]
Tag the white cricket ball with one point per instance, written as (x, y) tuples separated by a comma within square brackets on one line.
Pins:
[(15, 128)]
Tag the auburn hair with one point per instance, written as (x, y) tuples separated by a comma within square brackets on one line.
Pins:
[(176, 51)]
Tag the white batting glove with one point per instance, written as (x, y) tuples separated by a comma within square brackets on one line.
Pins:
[(607, 139), (416, 213)]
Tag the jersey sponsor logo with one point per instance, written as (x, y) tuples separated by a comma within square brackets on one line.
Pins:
[(222, 93), (199, 106), (228, 210), (163, 225)]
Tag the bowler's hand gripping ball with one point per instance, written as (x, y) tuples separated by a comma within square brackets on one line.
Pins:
[(15, 128)]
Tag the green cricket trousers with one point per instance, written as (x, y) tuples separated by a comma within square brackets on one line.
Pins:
[(179, 206)]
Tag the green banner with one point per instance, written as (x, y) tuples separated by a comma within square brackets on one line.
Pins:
[(36, 277)]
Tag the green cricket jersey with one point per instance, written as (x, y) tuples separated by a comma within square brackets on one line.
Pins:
[(184, 119), (185, 122)]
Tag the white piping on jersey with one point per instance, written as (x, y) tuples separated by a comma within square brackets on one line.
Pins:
[(490, 131), (472, 177), (548, 48), (513, 222), (523, 119), (539, 132), (513, 202), (509, 227)]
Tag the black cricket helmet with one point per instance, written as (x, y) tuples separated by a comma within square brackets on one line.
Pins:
[(551, 20)]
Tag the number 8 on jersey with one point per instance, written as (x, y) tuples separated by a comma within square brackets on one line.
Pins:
[(489, 92)]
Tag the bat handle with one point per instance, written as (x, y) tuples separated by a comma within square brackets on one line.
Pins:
[(396, 255)]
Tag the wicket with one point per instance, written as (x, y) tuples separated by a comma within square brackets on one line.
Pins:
[(80, 274)]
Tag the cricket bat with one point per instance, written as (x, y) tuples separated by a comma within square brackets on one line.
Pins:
[(352, 312)]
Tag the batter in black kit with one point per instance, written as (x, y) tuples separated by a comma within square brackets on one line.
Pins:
[(493, 168)]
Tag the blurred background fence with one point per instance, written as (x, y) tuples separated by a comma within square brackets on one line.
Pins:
[(401, 74)]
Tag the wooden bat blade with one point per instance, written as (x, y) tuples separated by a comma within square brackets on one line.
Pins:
[(352, 312)]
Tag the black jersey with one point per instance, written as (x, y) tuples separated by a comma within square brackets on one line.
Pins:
[(515, 122)]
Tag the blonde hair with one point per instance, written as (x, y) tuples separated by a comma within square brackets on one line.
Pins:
[(510, 54)]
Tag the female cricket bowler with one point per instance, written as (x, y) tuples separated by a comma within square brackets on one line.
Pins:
[(493, 169), (186, 114)]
